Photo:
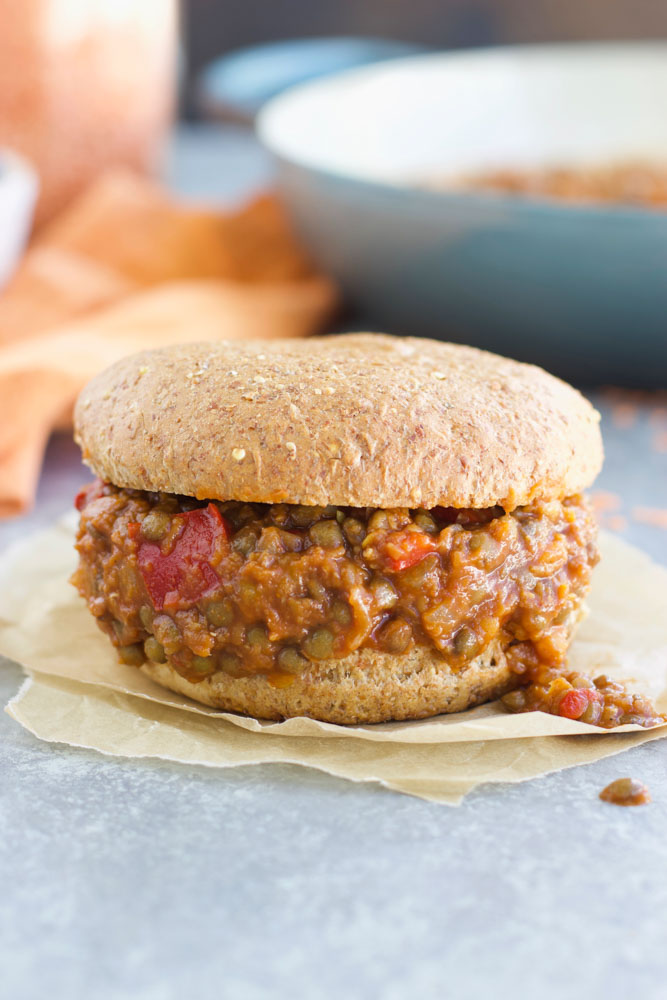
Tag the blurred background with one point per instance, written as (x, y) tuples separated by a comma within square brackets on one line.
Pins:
[(213, 27)]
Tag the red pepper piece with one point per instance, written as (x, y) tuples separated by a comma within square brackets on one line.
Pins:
[(180, 577), (405, 549), (574, 703)]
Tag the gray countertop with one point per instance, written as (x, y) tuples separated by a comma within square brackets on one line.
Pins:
[(137, 879)]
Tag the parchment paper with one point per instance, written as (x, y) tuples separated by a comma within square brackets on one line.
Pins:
[(82, 696), (85, 715)]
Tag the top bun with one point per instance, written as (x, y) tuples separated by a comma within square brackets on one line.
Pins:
[(362, 420)]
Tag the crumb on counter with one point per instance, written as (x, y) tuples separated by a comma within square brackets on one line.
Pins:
[(626, 792)]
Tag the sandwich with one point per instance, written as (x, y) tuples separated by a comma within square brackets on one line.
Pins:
[(356, 528)]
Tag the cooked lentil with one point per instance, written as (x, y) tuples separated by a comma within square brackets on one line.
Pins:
[(154, 651)]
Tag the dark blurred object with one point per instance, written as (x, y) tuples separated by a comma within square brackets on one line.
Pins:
[(85, 84), (215, 28), (237, 85)]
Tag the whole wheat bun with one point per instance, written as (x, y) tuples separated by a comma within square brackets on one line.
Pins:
[(365, 687), (352, 420)]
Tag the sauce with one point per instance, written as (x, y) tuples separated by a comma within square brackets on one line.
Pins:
[(266, 589)]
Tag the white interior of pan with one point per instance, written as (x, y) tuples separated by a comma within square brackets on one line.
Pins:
[(452, 113)]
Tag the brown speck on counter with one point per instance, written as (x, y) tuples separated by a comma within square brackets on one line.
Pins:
[(626, 792)]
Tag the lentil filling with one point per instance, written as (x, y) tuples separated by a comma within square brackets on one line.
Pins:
[(259, 589)]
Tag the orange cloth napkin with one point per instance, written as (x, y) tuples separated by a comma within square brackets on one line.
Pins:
[(125, 268)]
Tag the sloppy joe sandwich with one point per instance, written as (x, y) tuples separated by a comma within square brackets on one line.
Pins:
[(356, 528)]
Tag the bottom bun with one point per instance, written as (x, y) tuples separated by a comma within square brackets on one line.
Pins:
[(367, 686)]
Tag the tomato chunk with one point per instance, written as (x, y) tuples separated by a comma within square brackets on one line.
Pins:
[(574, 703), (88, 493), (404, 549), (180, 577)]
